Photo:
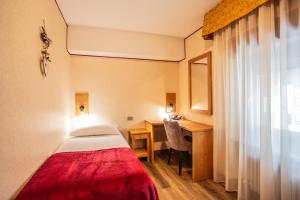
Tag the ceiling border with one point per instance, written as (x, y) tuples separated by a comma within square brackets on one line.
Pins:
[(184, 45)]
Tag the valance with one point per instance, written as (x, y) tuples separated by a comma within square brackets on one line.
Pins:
[(227, 12)]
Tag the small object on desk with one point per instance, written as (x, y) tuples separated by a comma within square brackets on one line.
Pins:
[(175, 117), (140, 134)]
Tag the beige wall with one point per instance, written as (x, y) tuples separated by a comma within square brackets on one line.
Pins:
[(120, 87), (34, 110), (195, 46), (107, 42)]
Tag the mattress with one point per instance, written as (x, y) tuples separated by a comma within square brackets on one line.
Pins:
[(89, 143)]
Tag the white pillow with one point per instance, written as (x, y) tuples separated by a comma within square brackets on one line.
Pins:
[(96, 130)]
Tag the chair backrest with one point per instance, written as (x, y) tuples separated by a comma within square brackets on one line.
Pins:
[(175, 136)]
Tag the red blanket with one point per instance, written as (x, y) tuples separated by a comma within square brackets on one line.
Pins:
[(105, 174)]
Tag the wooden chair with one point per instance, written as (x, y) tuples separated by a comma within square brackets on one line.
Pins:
[(177, 142)]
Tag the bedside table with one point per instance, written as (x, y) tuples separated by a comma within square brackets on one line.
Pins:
[(140, 134)]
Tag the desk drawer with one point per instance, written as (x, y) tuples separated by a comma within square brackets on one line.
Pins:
[(140, 136)]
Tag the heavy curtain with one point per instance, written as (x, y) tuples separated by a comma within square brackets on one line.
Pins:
[(257, 103), (226, 12)]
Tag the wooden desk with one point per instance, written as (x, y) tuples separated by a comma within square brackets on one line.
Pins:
[(202, 146)]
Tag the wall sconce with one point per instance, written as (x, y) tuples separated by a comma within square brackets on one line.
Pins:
[(81, 109), (171, 102), (81, 103)]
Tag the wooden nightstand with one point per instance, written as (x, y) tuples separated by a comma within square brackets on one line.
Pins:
[(140, 134)]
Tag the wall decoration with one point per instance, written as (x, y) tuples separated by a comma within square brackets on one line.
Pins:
[(45, 57)]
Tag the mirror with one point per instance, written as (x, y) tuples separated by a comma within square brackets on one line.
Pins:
[(200, 83)]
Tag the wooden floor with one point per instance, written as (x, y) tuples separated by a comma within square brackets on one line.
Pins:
[(172, 186)]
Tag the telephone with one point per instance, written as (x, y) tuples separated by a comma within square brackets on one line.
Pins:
[(176, 117)]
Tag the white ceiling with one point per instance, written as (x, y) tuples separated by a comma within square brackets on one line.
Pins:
[(167, 17)]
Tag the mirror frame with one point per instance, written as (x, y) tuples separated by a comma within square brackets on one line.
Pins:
[(209, 111)]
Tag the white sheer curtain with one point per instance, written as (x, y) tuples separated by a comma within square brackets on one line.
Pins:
[(257, 103)]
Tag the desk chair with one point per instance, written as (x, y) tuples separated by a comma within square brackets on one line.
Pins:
[(177, 141)]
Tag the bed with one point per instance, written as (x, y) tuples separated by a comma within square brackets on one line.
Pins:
[(91, 167)]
